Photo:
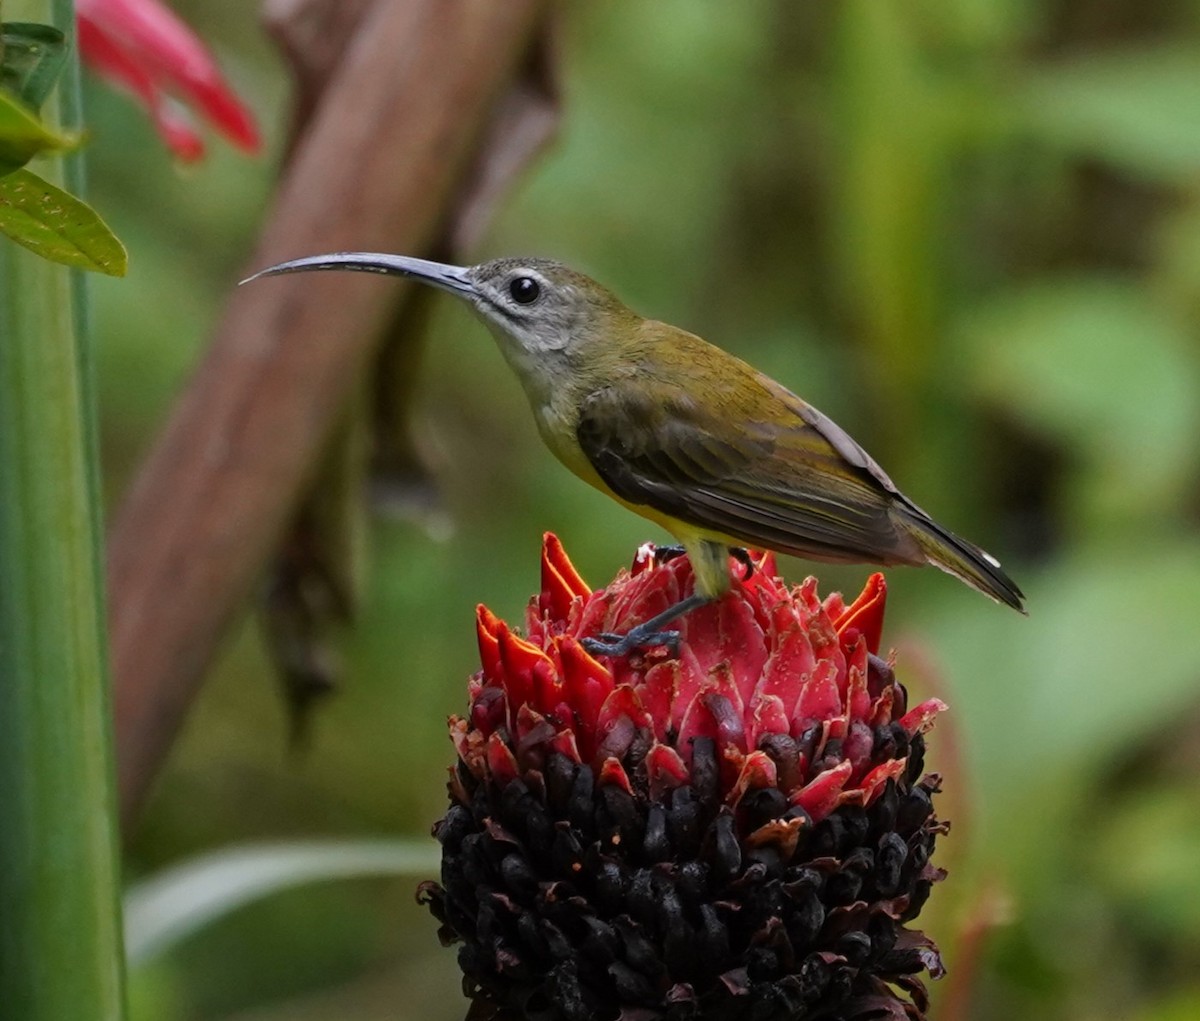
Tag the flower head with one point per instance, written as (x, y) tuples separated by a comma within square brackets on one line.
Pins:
[(739, 830), (142, 46)]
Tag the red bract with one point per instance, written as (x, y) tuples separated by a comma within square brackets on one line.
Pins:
[(142, 46), (779, 681)]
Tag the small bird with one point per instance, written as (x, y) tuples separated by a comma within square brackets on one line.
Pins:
[(685, 434)]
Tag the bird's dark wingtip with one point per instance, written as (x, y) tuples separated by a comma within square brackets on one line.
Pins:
[(964, 560)]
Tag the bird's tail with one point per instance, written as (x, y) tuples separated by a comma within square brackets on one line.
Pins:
[(963, 559)]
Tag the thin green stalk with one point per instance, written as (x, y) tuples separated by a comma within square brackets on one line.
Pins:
[(60, 932)]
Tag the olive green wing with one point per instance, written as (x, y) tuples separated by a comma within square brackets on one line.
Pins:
[(769, 472)]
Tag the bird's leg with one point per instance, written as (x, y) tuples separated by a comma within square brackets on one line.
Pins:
[(742, 556), (665, 554), (646, 634)]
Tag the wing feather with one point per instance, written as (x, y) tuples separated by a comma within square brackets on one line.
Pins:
[(788, 479)]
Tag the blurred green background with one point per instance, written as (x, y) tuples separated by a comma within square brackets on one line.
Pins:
[(968, 231)]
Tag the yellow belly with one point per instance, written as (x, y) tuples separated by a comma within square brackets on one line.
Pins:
[(711, 571)]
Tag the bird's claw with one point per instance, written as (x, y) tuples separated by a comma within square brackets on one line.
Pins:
[(665, 554), (743, 557), (614, 645)]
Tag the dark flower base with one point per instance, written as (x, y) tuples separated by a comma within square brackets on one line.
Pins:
[(586, 903)]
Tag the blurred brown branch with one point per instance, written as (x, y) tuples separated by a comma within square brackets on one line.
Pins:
[(991, 908), (408, 122)]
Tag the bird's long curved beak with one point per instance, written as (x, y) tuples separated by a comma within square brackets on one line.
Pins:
[(449, 278)]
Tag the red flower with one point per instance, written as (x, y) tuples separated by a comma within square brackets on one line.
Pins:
[(772, 676), (746, 819), (145, 48)]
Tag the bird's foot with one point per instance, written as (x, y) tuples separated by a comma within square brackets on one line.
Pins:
[(641, 637), (665, 554), (647, 634), (743, 557)]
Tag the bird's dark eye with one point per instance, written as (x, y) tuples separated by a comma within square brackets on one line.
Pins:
[(525, 290)]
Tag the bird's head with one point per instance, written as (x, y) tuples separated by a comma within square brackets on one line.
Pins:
[(542, 313)]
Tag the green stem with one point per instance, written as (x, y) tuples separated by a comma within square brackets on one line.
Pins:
[(60, 932)]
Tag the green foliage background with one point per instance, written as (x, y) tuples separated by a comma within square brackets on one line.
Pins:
[(970, 232)]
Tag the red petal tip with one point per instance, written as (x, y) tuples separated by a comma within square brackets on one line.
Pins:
[(758, 770), (145, 47), (488, 629), (920, 719), (820, 795), (560, 581), (502, 764), (612, 772), (866, 612), (664, 769), (873, 783)]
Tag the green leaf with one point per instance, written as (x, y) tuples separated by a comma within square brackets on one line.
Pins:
[(164, 909), (1144, 851), (1097, 365), (1173, 1005), (57, 225), (1104, 659), (34, 56), (61, 939), (23, 136), (1136, 108)]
